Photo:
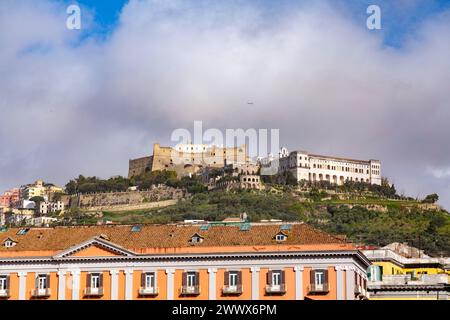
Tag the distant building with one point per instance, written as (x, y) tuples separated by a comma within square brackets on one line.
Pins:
[(187, 159), (43, 221), (9, 197), (248, 181), (312, 167), (39, 189), (403, 272), (18, 216), (46, 207)]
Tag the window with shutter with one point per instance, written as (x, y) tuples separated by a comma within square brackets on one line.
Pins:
[(2, 283), (312, 277), (8, 283), (184, 279), (269, 278), (88, 280), (100, 281), (4, 286), (325, 279), (143, 274), (197, 278), (227, 278)]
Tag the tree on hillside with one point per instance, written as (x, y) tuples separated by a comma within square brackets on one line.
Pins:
[(431, 198), (37, 199)]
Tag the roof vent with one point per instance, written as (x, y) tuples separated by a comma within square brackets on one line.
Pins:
[(204, 227), (286, 227), (104, 237), (136, 228), (245, 227), (22, 232)]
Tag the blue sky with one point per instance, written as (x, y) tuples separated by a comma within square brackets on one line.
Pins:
[(400, 18)]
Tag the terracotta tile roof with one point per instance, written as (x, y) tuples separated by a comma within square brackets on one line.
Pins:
[(165, 236)]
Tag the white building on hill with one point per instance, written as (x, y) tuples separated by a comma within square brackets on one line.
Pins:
[(313, 167)]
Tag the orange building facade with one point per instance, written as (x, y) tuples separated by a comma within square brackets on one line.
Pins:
[(158, 262)]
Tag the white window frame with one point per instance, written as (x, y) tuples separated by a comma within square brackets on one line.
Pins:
[(276, 278), (3, 283), (42, 282), (191, 279), (95, 281), (149, 278), (319, 279), (281, 237), (233, 279)]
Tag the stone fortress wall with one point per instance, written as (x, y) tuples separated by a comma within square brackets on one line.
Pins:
[(127, 198)]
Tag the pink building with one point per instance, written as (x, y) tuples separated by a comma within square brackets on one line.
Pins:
[(9, 197)]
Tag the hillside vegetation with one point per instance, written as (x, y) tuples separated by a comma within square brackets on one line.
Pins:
[(373, 221), (366, 214)]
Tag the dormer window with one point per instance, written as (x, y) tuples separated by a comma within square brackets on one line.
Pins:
[(9, 243), (196, 238), (104, 237), (281, 237)]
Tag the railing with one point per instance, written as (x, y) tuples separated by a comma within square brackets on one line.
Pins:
[(404, 279), (232, 289), (93, 292), (4, 293), (274, 289), (41, 292), (150, 291), (389, 254), (190, 290), (314, 288)]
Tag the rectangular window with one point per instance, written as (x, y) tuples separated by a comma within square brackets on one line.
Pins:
[(276, 278), (42, 282), (3, 284), (95, 281), (232, 278), (149, 280), (191, 279), (319, 278)]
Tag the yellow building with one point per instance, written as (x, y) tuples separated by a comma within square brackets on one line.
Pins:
[(39, 189), (403, 272)]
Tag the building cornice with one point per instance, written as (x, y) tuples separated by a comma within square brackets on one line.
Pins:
[(363, 261)]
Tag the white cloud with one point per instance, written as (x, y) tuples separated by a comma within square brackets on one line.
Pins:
[(441, 173)]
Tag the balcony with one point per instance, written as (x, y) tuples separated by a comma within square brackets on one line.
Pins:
[(150, 291), (361, 292), (231, 290), (276, 289), (314, 288), (4, 294), (93, 292), (41, 293), (190, 291)]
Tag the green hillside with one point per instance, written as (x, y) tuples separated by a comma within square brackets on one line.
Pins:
[(366, 214), (366, 220)]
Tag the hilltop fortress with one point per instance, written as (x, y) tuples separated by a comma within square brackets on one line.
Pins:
[(187, 159)]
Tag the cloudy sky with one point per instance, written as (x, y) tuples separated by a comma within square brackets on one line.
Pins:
[(85, 101)]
